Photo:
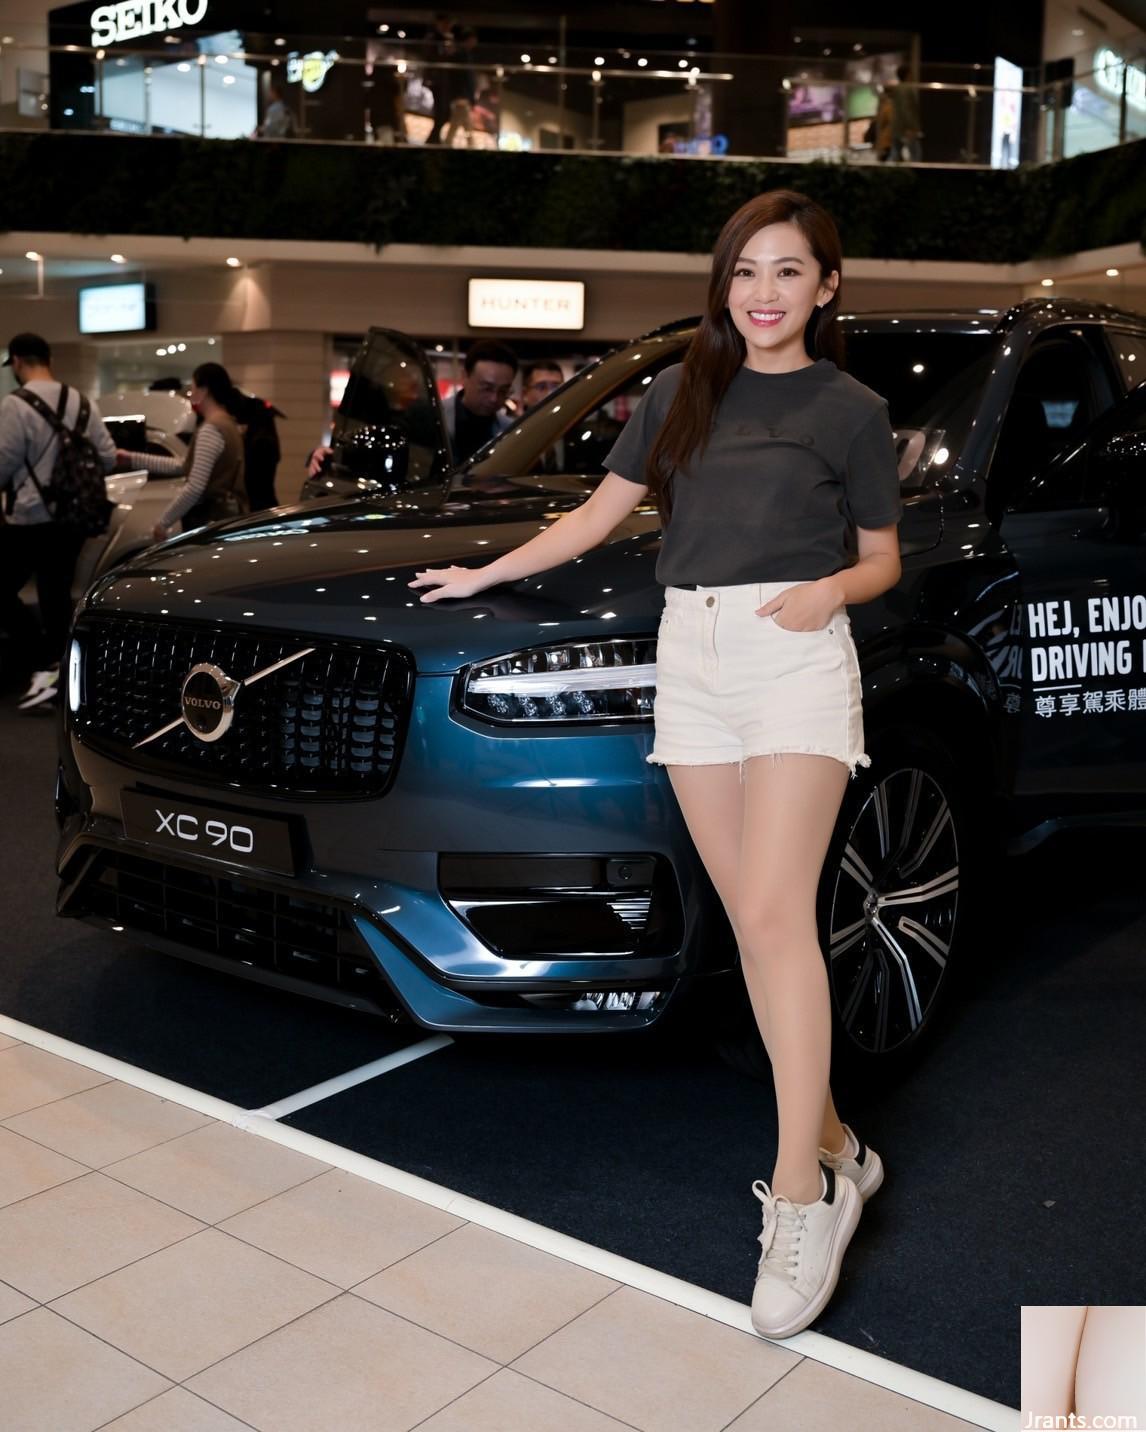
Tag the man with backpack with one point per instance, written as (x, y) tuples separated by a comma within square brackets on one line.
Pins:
[(54, 452)]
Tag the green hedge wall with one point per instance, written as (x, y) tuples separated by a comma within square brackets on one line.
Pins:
[(121, 184)]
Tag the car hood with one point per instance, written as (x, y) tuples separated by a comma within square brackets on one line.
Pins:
[(343, 570)]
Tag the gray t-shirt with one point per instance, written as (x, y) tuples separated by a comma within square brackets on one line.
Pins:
[(794, 459)]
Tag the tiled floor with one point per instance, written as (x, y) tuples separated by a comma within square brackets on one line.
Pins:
[(163, 1272)]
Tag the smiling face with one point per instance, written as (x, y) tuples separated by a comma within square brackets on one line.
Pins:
[(776, 286)]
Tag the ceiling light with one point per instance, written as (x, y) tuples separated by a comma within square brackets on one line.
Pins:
[(221, 59), (525, 59), (118, 259), (33, 255), (1048, 283), (599, 60), (279, 40), (642, 62), (234, 263), (1111, 273), (228, 79), (184, 69)]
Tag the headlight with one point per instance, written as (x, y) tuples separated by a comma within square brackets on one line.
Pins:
[(578, 681), (75, 664)]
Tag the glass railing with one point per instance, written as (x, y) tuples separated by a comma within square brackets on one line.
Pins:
[(659, 103)]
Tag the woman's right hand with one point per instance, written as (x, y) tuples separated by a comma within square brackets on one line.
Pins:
[(451, 582)]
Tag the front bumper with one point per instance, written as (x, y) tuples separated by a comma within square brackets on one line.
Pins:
[(482, 892)]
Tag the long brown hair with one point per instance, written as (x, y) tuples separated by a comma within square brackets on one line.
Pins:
[(717, 349)]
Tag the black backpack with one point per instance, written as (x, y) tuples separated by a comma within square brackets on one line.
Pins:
[(76, 496)]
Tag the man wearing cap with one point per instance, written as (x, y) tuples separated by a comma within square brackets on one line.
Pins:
[(31, 543)]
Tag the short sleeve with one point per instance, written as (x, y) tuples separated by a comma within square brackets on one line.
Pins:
[(871, 481), (627, 455)]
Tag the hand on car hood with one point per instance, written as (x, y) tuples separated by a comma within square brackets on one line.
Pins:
[(344, 571)]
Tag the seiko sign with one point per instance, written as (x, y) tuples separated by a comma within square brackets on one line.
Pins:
[(131, 19)]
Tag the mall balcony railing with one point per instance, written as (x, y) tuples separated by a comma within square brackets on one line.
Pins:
[(652, 104)]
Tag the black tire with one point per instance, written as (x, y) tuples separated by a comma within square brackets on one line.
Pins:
[(891, 980)]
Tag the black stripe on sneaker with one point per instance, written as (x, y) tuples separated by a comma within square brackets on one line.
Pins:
[(862, 1151), (829, 1183)]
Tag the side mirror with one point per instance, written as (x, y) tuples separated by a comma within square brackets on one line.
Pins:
[(376, 455)]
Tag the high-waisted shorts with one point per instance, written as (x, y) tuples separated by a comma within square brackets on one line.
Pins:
[(731, 685)]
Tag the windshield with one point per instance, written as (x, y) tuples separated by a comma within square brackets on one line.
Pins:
[(932, 382)]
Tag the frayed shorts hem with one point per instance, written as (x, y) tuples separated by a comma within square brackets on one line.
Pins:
[(729, 760)]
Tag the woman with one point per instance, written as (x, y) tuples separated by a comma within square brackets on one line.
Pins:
[(761, 454), (213, 465)]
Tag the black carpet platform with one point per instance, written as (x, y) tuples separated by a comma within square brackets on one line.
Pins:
[(1012, 1174)]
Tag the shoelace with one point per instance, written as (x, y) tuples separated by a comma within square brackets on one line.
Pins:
[(780, 1238)]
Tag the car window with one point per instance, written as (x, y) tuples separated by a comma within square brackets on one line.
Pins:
[(1129, 350), (560, 446), (1055, 400), (1109, 466), (582, 447)]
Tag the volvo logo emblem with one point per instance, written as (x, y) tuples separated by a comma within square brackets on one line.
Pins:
[(207, 707), (209, 701)]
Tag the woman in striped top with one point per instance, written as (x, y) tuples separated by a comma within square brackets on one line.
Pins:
[(213, 465)]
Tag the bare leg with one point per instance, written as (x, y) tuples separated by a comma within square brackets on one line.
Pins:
[(711, 799), (790, 807)]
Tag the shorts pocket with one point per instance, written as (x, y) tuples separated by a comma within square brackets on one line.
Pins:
[(815, 631)]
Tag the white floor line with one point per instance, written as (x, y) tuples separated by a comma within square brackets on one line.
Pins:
[(281, 1107), (944, 1396)]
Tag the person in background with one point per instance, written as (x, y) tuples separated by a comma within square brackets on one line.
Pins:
[(539, 379), (905, 131), (32, 544), (213, 465), (278, 122), (261, 450), (461, 85), (881, 127), (440, 49), (473, 414)]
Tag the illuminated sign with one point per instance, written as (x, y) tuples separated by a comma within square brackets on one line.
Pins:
[(1006, 114), (133, 18), (116, 308), (526, 303), (310, 68), (1108, 74)]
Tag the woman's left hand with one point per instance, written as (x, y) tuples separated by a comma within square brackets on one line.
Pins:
[(160, 533), (807, 607)]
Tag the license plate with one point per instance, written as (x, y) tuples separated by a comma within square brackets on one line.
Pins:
[(175, 823)]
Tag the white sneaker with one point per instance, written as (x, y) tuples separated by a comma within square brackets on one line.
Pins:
[(44, 687), (803, 1247), (859, 1163)]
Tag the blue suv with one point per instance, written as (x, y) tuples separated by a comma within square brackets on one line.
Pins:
[(276, 761)]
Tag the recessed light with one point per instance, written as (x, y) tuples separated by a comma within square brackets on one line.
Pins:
[(118, 259), (1111, 273), (234, 263), (33, 255), (1048, 283)]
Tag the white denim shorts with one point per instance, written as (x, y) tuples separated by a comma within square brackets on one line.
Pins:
[(731, 685)]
